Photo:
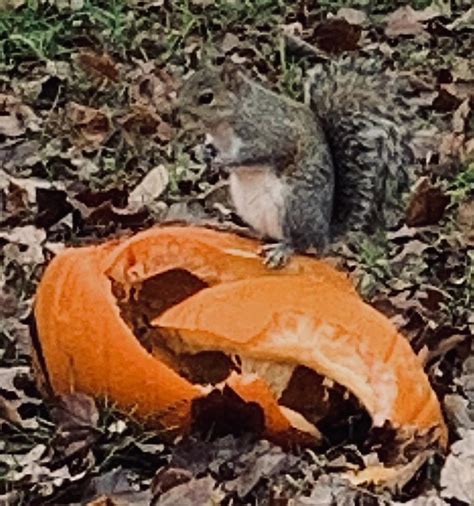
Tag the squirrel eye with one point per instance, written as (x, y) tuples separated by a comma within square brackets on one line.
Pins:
[(206, 98)]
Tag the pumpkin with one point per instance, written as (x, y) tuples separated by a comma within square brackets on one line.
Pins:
[(180, 324)]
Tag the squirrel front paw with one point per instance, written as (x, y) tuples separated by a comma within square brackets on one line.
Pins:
[(276, 255)]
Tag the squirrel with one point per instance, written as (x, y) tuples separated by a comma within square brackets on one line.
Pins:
[(304, 174)]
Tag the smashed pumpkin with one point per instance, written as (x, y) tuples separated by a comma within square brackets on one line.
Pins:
[(185, 324)]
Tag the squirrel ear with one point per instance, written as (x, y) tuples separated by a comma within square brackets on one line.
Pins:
[(231, 75)]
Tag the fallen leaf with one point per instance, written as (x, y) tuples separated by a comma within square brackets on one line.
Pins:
[(76, 417), (460, 90), (14, 398), (465, 220), (34, 467), (263, 462), (457, 475), (460, 117), (98, 66), (404, 21), (229, 42), (466, 380), (25, 244), (53, 206), (29, 185), (414, 247), (337, 35), (423, 500), (196, 491), (16, 118), (116, 488), (352, 16), (457, 411), (394, 478), (76, 410), (152, 88), (149, 189), (464, 21), (330, 489), (168, 478), (92, 126), (452, 147), (143, 123), (446, 101), (427, 204)]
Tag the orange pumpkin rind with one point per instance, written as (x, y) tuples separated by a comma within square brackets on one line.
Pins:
[(306, 314)]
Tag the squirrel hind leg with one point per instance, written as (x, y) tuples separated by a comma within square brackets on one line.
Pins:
[(276, 255)]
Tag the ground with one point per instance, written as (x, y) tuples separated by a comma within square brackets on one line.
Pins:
[(90, 147)]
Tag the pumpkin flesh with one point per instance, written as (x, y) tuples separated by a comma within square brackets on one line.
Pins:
[(162, 320)]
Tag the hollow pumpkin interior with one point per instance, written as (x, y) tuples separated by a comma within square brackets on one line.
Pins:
[(331, 411), (173, 323)]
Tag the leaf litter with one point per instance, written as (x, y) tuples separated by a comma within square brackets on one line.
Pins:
[(90, 148)]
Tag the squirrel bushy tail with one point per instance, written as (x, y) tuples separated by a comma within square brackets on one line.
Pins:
[(305, 175), (369, 128)]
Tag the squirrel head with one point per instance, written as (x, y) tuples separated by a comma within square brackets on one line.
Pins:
[(209, 97)]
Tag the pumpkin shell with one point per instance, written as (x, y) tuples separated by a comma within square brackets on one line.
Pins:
[(307, 313)]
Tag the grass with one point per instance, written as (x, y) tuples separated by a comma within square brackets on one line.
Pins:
[(372, 258), (462, 186), (38, 30)]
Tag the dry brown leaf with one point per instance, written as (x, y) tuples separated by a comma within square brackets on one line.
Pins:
[(15, 117), (295, 28), (98, 66), (427, 204), (29, 186), (34, 468), (461, 90), (154, 89), (149, 189), (229, 42), (140, 121), (92, 126), (465, 20), (423, 500), (451, 147), (352, 16), (404, 21), (446, 101), (76, 417), (144, 122), (457, 409), (337, 35), (116, 487), (13, 397), (196, 491), (460, 116), (103, 500), (457, 475), (394, 478), (330, 489), (24, 244), (465, 220)]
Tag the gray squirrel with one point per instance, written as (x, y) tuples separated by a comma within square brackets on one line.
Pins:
[(305, 174)]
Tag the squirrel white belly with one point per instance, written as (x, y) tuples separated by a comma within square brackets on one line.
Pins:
[(259, 197), (305, 174)]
